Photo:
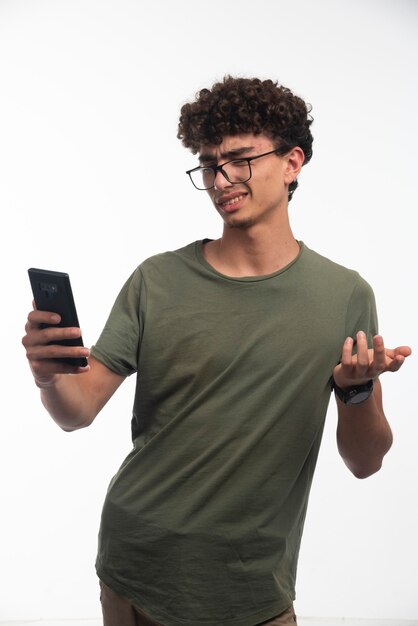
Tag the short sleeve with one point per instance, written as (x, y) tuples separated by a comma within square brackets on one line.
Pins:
[(361, 312), (119, 343)]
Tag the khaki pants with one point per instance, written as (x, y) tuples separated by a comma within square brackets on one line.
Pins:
[(118, 611)]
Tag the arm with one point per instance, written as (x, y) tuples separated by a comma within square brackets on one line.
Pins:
[(73, 401), (363, 433)]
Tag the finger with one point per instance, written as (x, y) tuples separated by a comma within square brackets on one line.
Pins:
[(363, 359), (37, 337), (379, 354), (347, 352), (43, 317), (403, 351), (396, 363), (53, 334), (52, 351), (55, 351), (44, 373)]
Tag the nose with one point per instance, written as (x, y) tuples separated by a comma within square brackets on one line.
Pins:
[(221, 181)]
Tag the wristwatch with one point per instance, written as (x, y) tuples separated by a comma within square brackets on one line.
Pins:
[(354, 395)]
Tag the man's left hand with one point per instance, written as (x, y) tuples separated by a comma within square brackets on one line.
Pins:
[(368, 363)]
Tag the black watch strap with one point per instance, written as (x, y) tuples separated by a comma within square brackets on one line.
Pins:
[(354, 395)]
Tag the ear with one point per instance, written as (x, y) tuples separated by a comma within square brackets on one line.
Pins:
[(294, 162)]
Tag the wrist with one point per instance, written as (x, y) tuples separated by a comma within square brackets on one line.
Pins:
[(355, 394), (46, 382)]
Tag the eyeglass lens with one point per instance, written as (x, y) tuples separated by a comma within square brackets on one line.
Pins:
[(236, 172)]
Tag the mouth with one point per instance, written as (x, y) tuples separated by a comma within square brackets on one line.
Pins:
[(231, 202)]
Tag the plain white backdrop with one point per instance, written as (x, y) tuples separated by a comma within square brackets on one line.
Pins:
[(92, 182)]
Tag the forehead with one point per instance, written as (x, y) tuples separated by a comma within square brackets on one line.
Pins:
[(235, 143)]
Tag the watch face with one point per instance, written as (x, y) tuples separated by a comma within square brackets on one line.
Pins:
[(360, 397), (355, 395)]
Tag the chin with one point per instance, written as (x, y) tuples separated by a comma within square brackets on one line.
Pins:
[(239, 222)]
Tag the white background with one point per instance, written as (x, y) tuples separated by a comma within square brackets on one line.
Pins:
[(92, 182)]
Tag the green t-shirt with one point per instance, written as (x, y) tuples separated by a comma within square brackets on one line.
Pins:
[(203, 521)]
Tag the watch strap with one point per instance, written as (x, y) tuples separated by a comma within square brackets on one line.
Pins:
[(354, 395)]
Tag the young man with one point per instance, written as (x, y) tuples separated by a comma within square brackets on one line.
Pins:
[(237, 344)]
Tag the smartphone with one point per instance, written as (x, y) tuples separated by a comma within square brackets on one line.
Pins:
[(52, 292)]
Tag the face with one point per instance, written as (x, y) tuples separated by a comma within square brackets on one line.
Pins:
[(263, 198)]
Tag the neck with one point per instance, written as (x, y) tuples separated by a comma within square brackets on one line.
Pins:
[(253, 251)]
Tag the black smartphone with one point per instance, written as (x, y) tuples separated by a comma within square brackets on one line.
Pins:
[(52, 292)]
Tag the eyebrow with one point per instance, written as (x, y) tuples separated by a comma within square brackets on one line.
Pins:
[(230, 154)]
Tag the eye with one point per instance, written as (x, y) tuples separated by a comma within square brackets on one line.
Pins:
[(238, 164)]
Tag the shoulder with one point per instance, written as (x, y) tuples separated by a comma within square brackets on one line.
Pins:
[(170, 262), (323, 268), (170, 256), (164, 268)]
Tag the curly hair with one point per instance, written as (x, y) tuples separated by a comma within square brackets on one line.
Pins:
[(247, 105)]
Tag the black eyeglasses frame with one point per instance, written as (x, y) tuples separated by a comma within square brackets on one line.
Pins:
[(219, 168)]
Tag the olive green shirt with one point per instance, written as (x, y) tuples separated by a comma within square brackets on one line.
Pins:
[(203, 521)]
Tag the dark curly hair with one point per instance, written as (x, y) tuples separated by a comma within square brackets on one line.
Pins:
[(247, 105)]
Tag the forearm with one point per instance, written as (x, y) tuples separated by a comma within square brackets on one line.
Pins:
[(64, 401), (74, 400), (363, 434)]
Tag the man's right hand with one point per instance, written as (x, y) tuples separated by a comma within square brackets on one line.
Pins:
[(43, 355)]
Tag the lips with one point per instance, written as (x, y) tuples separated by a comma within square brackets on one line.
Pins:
[(230, 202)]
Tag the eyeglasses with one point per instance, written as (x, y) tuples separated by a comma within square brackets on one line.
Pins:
[(235, 172)]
